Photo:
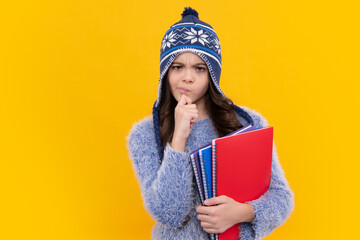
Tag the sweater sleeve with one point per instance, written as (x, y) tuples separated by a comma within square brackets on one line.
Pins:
[(274, 206), (166, 187)]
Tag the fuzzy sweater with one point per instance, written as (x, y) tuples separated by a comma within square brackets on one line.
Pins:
[(169, 191)]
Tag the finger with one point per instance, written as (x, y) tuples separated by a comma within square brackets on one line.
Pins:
[(203, 210), (216, 200), (193, 120), (189, 110), (210, 230), (205, 218), (189, 106), (182, 100), (206, 225), (192, 116), (187, 99)]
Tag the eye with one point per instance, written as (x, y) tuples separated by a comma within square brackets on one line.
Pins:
[(176, 67), (201, 69)]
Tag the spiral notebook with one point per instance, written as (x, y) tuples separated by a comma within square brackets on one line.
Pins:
[(242, 168), (206, 170), (198, 176), (204, 180)]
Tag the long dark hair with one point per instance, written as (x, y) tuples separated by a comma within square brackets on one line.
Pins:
[(220, 109)]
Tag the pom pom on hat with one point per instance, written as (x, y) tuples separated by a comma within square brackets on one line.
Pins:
[(190, 11)]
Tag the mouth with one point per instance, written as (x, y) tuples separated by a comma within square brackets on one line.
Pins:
[(183, 90)]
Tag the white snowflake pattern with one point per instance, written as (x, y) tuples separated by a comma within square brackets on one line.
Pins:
[(197, 36), (217, 45), (168, 39)]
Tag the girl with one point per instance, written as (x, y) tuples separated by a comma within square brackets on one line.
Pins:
[(189, 112)]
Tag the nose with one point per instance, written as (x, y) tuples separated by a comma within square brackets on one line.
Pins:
[(188, 77)]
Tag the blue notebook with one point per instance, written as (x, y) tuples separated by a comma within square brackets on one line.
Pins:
[(206, 170)]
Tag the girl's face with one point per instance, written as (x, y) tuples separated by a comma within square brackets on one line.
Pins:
[(188, 74)]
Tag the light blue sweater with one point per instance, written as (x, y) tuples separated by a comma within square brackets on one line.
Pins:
[(169, 192)]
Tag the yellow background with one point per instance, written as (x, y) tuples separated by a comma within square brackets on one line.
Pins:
[(76, 74)]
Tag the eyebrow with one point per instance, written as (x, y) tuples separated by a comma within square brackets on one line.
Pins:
[(196, 64)]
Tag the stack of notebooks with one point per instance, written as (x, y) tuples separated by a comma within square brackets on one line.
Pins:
[(237, 165)]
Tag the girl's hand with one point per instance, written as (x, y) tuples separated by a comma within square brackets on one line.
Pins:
[(186, 114), (226, 213)]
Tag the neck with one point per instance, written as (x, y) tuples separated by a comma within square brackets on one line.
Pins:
[(202, 110)]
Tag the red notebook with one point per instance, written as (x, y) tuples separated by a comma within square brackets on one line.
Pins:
[(242, 168)]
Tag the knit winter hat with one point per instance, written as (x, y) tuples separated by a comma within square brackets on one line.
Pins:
[(190, 34)]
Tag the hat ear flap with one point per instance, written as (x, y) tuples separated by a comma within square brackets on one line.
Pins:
[(157, 131)]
